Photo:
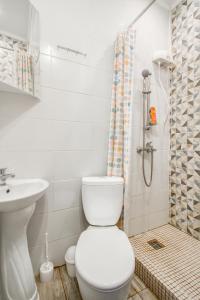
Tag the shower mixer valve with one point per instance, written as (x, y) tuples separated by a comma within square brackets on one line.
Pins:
[(148, 148)]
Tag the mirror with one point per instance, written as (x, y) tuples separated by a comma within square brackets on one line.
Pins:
[(19, 47)]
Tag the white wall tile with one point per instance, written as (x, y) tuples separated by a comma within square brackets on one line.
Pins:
[(29, 164), (78, 164), (45, 70), (75, 77), (157, 199), (63, 105), (26, 134), (59, 224), (138, 206), (39, 134), (64, 223), (138, 225), (158, 219), (67, 194), (57, 250)]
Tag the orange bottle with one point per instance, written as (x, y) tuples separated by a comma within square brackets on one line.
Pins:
[(152, 113)]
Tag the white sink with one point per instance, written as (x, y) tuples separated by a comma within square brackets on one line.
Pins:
[(20, 193), (17, 204)]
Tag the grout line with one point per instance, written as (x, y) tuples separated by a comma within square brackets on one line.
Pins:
[(40, 244), (47, 150), (76, 62), (75, 92), (51, 212), (44, 119)]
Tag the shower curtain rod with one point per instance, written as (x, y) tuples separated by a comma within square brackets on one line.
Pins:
[(141, 14)]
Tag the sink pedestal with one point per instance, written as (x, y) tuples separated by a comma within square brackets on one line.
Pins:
[(17, 280)]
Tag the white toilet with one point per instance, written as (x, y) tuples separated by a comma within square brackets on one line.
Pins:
[(104, 257)]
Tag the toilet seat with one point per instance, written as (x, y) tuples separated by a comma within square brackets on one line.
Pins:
[(104, 257)]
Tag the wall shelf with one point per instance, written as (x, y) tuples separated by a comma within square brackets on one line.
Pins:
[(164, 62)]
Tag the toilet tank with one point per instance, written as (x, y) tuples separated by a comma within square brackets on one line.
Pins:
[(102, 199)]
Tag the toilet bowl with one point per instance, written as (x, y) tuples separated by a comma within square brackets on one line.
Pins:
[(105, 263), (104, 257)]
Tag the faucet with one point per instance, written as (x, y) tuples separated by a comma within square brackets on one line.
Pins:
[(148, 148), (4, 176)]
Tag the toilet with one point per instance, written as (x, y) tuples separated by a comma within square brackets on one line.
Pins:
[(104, 258)]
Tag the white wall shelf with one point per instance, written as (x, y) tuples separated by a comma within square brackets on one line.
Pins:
[(164, 62)]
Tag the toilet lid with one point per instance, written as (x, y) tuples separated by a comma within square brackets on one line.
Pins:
[(104, 257)]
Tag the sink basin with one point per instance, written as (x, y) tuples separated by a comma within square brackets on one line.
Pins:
[(20, 193), (17, 204)]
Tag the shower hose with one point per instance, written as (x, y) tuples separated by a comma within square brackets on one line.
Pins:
[(148, 183), (147, 148)]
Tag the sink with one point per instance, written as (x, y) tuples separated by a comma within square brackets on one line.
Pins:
[(18, 194), (17, 204)]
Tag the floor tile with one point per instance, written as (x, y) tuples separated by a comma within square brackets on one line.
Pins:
[(62, 287), (52, 290), (172, 271), (70, 285), (137, 284), (136, 297), (147, 295)]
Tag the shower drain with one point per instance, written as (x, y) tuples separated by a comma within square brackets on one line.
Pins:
[(155, 244)]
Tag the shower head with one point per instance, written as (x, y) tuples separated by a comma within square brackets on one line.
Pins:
[(145, 73)]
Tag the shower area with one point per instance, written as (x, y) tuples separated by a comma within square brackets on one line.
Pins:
[(155, 120), (139, 140), (162, 157)]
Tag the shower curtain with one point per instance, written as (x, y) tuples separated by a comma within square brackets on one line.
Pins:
[(121, 113), (24, 72)]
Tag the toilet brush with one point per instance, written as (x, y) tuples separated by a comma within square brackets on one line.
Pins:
[(46, 269)]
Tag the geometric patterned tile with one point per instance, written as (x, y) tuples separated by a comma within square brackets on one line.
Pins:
[(185, 118)]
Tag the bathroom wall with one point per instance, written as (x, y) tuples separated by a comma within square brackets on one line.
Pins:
[(63, 136), (185, 119), (149, 206)]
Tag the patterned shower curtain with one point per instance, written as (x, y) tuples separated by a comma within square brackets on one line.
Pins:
[(121, 113), (24, 71)]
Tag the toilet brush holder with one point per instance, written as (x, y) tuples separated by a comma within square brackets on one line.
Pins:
[(46, 272), (46, 269)]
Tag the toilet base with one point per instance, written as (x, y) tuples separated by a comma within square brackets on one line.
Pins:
[(90, 293)]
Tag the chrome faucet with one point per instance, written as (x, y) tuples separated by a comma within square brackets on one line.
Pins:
[(4, 176), (148, 148)]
